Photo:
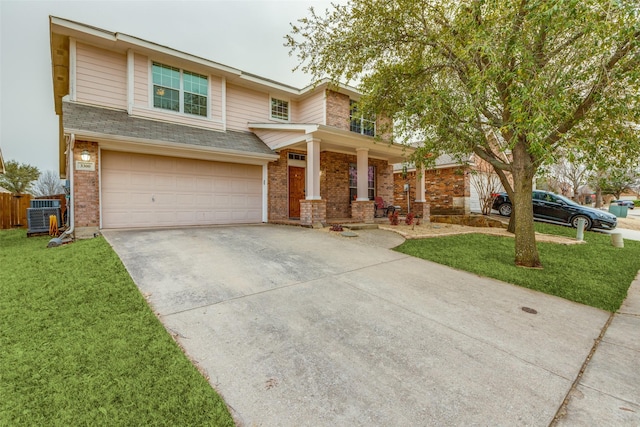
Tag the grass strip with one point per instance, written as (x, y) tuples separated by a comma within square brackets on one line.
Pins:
[(80, 345), (595, 273)]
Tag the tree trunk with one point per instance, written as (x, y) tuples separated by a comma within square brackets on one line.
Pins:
[(525, 238)]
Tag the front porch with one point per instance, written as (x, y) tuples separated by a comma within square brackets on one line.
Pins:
[(328, 173)]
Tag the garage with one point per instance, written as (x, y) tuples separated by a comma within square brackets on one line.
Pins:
[(141, 190)]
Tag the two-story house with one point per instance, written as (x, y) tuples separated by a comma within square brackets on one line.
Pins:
[(151, 137)]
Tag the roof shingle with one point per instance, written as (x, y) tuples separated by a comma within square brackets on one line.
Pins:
[(105, 121)]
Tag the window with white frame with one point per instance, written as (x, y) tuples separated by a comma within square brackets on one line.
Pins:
[(179, 90), (362, 124), (353, 182), (279, 109)]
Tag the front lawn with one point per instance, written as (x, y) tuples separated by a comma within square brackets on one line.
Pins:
[(595, 273), (80, 346)]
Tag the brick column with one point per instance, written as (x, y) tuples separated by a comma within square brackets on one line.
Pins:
[(422, 210), (362, 211), (313, 211), (86, 197)]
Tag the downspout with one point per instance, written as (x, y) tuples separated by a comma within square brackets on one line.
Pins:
[(67, 235)]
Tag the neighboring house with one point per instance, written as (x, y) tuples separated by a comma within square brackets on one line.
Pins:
[(151, 136), (449, 185)]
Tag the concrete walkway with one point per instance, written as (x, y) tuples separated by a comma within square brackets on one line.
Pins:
[(608, 393), (300, 327)]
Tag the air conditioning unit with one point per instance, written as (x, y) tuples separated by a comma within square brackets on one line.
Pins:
[(45, 203), (38, 218)]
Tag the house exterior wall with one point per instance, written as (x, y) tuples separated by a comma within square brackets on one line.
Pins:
[(101, 76), (246, 105), (86, 186), (278, 195), (448, 190), (334, 183), (143, 105), (338, 110), (274, 137), (310, 109)]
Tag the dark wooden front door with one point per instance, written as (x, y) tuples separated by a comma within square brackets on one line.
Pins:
[(296, 190)]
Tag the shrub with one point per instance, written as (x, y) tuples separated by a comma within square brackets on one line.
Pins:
[(409, 219), (393, 218)]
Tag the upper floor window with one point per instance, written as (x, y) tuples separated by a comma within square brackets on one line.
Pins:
[(179, 90), (365, 125), (279, 109)]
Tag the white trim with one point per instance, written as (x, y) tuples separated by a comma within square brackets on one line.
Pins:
[(209, 100), (265, 193), (73, 58), (270, 112), (130, 80), (324, 108), (223, 101), (151, 146), (181, 92), (139, 111), (67, 27), (150, 83)]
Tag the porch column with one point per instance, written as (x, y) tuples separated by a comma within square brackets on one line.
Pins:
[(363, 174), (420, 185), (421, 207), (313, 169)]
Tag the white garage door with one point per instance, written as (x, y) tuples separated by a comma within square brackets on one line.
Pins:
[(140, 190)]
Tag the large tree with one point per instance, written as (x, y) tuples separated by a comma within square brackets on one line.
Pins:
[(18, 177), (509, 80)]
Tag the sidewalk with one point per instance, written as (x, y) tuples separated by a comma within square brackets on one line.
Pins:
[(608, 392)]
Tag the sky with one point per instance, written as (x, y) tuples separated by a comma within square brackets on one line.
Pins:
[(247, 35)]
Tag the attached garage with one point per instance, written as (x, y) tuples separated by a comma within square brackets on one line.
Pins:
[(142, 190)]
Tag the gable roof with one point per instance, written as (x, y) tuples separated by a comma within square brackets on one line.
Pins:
[(109, 124)]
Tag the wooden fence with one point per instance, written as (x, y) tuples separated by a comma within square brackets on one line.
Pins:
[(13, 209)]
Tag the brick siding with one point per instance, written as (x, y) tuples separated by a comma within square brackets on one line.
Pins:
[(86, 188), (446, 188), (338, 110), (334, 184)]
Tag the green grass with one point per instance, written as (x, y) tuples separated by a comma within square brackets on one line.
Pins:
[(595, 273), (80, 346)]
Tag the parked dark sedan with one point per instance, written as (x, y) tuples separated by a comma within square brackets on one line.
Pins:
[(556, 208), (628, 203)]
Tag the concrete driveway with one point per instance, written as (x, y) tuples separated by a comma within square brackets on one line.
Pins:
[(304, 327)]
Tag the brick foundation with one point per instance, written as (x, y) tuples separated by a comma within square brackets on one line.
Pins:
[(313, 211), (362, 211), (422, 210)]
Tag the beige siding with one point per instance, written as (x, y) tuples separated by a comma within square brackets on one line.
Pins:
[(215, 103), (273, 138), (310, 110), (101, 76), (141, 81), (244, 106)]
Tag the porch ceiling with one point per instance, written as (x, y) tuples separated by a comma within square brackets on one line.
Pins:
[(295, 136)]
